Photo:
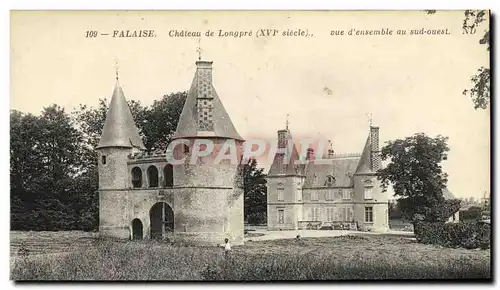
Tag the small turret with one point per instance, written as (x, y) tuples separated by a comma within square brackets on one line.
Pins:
[(119, 138)]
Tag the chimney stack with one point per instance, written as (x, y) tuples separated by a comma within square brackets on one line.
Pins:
[(310, 154), (204, 97), (331, 152), (375, 150), (282, 138), (282, 148)]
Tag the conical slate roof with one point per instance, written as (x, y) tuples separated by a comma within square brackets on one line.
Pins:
[(222, 125), (119, 129), (365, 163)]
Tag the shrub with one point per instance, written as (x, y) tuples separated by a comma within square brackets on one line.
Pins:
[(473, 213), (453, 235)]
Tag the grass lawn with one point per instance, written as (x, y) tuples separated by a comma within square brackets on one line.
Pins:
[(330, 258)]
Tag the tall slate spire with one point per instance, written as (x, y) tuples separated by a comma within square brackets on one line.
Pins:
[(203, 114), (119, 129), (365, 164), (370, 158)]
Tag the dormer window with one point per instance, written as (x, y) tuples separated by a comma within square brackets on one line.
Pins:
[(368, 193), (280, 189), (330, 181), (368, 189)]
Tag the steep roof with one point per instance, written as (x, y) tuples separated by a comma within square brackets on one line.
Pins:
[(341, 168), (187, 126), (294, 166), (119, 129), (365, 163)]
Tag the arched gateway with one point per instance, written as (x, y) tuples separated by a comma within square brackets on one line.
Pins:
[(161, 220)]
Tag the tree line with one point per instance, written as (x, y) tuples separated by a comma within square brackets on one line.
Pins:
[(53, 162)]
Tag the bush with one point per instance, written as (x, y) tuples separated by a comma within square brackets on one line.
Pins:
[(473, 213), (454, 235)]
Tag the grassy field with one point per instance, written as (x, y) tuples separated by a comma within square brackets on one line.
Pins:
[(81, 256)]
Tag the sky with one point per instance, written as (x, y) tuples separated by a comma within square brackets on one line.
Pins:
[(327, 84)]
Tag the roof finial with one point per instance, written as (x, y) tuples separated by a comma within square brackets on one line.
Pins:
[(370, 119), (198, 49), (286, 122), (330, 145), (116, 69)]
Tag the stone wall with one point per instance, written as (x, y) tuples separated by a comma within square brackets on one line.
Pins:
[(117, 209), (113, 174), (290, 187), (379, 203)]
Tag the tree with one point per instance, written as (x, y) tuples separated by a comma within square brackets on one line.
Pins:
[(45, 159), (394, 210), (417, 177), (255, 192), (160, 121), (480, 90)]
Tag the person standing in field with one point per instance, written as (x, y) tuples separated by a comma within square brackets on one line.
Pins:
[(227, 248)]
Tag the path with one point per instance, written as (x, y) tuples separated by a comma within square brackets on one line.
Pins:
[(276, 235)]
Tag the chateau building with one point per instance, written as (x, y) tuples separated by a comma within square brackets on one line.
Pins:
[(142, 196), (336, 191)]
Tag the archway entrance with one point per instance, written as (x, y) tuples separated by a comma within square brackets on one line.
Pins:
[(136, 229), (162, 221)]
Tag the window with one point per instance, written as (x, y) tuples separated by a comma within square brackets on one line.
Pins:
[(330, 214), (345, 213), (315, 214), (168, 175), (280, 189), (369, 214), (299, 194), (153, 176), (103, 158), (186, 149), (280, 194), (346, 194), (136, 177), (281, 216), (328, 195), (314, 195), (368, 193)]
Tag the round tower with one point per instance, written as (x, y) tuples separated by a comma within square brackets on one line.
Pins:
[(119, 139), (208, 204)]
